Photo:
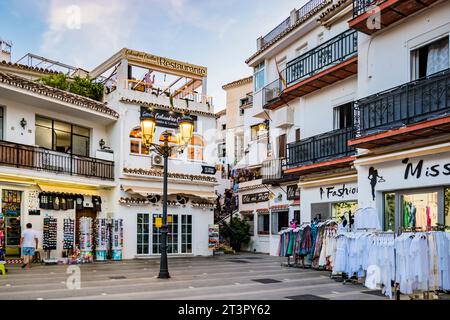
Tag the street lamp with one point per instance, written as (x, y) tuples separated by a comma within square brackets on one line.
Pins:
[(148, 128)]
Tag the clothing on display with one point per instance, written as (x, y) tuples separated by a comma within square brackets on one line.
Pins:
[(366, 218), (65, 201)]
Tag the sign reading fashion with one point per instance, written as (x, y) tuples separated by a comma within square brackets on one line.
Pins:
[(430, 170), (293, 192), (255, 197), (166, 63), (164, 118), (335, 192)]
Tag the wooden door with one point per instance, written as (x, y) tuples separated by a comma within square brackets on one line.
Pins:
[(87, 212)]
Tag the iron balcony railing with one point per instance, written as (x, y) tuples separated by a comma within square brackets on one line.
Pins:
[(303, 12), (30, 157), (272, 169), (327, 146), (362, 6), (272, 91), (413, 102), (330, 53)]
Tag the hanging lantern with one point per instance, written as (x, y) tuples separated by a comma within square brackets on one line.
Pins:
[(186, 126), (148, 128)]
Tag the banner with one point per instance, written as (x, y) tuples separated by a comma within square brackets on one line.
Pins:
[(213, 237)]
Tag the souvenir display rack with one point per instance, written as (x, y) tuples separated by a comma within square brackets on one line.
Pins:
[(69, 234), (117, 239), (86, 237), (102, 239)]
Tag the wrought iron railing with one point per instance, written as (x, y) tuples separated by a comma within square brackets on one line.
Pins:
[(362, 6), (330, 53), (303, 12), (30, 157), (413, 102), (272, 91), (327, 146)]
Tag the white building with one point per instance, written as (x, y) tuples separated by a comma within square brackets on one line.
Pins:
[(139, 79)]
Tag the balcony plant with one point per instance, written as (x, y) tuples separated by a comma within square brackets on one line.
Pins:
[(81, 86)]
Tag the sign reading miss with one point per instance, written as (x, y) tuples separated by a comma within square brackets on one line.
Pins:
[(164, 118)]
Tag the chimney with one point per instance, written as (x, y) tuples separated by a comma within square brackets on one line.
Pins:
[(294, 17), (5, 50), (259, 43)]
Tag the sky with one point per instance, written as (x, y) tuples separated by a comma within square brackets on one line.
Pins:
[(218, 34)]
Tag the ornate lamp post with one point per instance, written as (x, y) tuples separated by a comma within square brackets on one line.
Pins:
[(148, 128)]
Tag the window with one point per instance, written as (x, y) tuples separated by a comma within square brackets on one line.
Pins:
[(1, 123), (186, 234), (297, 215), (136, 146), (429, 59), (301, 50), (389, 211), (282, 146), (340, 209), (172, 236), (251, 222), (263, 223), (224, 126), (257, 130), (62, 137), (238, 147), (280, 220), (222, 150), (143, 233), (343, 116), (297, 134), (241, 112), (419, 210), (258, 76), (195, 148)]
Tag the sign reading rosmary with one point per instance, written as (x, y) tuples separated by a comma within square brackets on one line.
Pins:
[(166, 63)]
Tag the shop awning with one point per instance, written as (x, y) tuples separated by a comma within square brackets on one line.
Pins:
[(64, 189), (145, 191)]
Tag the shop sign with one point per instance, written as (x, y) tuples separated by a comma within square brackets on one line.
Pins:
[(255, 197), (34, 212), (166, 63), (164, 118), (337, 192), (293, 192), (209, 170), (213, 237), (418, 170)]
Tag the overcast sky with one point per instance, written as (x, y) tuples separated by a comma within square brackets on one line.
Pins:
[(218, 34)]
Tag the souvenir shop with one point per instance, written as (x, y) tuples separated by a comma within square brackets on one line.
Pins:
[(70, 225)]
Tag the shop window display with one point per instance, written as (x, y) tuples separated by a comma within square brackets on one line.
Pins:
[(447, 207), (389, 211), (341, 209), (420, 210)]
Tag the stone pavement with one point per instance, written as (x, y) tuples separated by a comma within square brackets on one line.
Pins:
[(226, 277)]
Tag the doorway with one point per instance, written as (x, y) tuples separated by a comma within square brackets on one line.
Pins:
[(88, 213)]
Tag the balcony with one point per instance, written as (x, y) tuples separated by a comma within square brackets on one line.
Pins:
[(322, 152), (370, 16), (272, 172), (322, 66), (40, 159), (418, 109)]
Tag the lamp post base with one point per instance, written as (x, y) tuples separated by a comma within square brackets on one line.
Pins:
[(164, 275)]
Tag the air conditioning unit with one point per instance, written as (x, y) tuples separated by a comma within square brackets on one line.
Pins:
[(157, 161)]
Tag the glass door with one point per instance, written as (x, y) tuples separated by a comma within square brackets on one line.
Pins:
[(420, 210)]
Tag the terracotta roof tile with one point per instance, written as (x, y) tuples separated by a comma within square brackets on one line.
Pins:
[(237, 83), (61, 95), (27, 68), (330, 10)]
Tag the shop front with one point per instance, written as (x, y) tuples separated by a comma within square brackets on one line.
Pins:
[(408, 190), (57, 213), (335, 199)]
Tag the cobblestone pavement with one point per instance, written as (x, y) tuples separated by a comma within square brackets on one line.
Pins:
[(236, 277)]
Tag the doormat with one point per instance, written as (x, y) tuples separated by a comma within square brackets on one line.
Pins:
[(374, 293), (306, 297), (117, 277), (266, 281)]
